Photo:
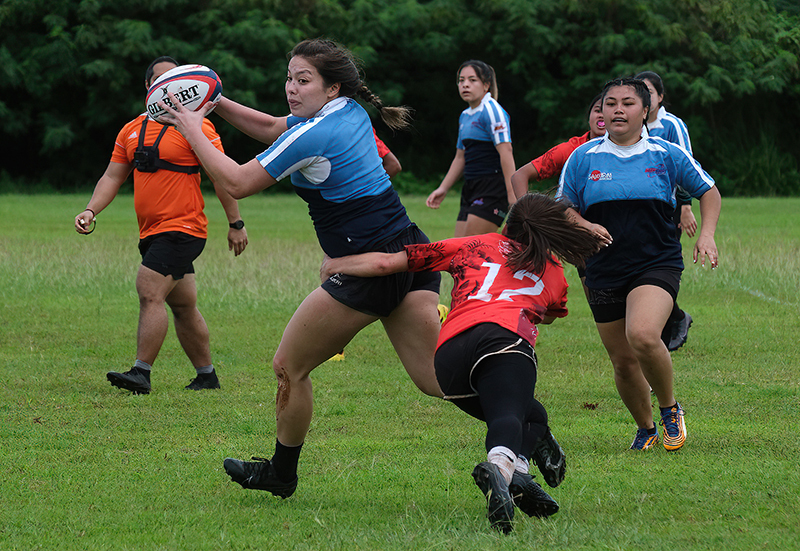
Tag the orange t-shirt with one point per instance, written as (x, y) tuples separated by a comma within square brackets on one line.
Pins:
[(165, 200)]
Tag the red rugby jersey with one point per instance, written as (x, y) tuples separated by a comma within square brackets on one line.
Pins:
[(485, 290), (551, 163)]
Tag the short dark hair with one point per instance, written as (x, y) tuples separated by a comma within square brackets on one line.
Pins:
[(149, 73)]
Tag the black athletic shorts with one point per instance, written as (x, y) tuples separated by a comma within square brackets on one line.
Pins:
[(609, 304), (171, 253), (484, 197), (458, 359), (379, 296)]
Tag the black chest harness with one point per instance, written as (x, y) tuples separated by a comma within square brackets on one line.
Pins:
[(145, 158)]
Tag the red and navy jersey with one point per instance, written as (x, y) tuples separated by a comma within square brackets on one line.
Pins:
[(486, 290)]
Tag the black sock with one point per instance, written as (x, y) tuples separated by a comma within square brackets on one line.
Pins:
[(677, 315), (652, 430), (285, 461)]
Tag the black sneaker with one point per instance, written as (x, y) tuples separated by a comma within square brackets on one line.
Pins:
[(136, 380), (204, 381), (549, 457), (680, 332), (498, 499), (529, 496), (259, 474)]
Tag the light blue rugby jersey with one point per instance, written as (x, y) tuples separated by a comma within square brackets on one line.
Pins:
[(480, 130), (671, 128), (334, 166), (631, 192)]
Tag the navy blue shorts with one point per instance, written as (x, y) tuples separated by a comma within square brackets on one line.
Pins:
[(379, 296), (486, 198), (171, 253), (610, 304)]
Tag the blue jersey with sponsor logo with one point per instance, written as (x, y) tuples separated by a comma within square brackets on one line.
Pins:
[(334, 166), (479, 131), (631, 192)]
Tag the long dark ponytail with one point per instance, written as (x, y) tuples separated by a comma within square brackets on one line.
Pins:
[(539, 228), (336, 64)]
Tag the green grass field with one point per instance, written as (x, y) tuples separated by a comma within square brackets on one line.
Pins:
[(86, 466)]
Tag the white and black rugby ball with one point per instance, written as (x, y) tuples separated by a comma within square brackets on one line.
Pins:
[(192, 85)]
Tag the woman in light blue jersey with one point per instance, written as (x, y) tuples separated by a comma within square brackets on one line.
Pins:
[(328, 148), (622, 187), (484, 155), (666, 125)]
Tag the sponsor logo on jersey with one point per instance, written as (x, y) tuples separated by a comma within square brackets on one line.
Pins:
[(499, 127), (653, 171), (596, 176)]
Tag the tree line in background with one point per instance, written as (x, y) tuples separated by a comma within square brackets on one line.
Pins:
[(73, 72)]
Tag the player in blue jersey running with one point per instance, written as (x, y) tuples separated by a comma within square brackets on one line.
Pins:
[(622, 187), (328, 148), (484, 155), (666, 125)]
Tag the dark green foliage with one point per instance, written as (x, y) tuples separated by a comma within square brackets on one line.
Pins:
[(72, 73)]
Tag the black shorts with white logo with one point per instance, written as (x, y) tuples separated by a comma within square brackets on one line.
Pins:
[(484, 197), (379, 296), (171, 253)]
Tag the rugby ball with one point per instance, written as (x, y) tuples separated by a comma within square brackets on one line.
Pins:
[(192, 85)]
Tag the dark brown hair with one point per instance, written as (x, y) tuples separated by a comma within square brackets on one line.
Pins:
[(485, 73), (539, 228), (336, 64)]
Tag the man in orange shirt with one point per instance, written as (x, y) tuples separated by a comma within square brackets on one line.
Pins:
[(172, 231)]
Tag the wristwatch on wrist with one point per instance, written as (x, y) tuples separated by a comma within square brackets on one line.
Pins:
[(238, 225)]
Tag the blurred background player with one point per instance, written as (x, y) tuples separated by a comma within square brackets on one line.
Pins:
[(172, 230), (484, 155)]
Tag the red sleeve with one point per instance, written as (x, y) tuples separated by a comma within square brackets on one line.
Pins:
[(383, 151), (434, 257), (551, 163)]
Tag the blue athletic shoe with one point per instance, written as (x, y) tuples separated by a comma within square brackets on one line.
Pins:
[(644, 441), (674, 427)]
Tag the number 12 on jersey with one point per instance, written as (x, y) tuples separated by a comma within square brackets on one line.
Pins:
[(506, 294)]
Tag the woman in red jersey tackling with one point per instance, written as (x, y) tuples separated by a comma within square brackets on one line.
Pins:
[(485, 363)]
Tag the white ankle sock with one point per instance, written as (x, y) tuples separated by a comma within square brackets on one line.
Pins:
[(504, 458)]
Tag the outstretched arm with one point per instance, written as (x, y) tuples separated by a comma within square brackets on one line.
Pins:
[(520, 180), (238, 180), (365, 265), (256, 124)]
